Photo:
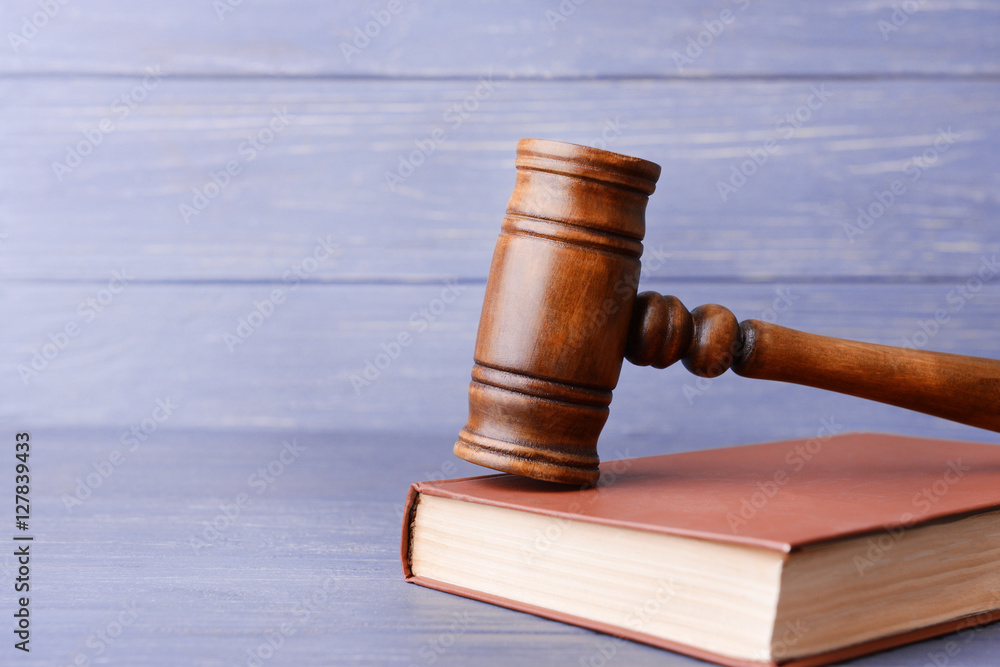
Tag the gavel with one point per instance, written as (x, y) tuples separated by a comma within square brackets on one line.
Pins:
[(562, 312)]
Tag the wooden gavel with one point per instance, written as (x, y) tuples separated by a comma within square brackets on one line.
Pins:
[(561, 313)]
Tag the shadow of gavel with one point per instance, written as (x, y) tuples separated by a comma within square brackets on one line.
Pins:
[(561, 313)]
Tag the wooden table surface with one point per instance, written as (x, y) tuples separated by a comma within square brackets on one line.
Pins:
[(215, 217)]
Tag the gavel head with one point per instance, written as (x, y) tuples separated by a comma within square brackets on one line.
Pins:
[(557, 311)]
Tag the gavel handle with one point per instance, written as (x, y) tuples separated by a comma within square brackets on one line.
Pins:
[(709, 341)]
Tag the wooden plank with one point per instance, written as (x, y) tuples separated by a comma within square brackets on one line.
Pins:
[(553, 38), (382, 358), (315, 551), (323, 176)]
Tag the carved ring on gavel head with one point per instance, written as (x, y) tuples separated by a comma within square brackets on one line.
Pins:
[(561, 313)]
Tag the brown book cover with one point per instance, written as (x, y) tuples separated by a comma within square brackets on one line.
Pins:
[(780, 496)]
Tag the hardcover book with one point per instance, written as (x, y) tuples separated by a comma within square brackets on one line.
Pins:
[(799, 552)]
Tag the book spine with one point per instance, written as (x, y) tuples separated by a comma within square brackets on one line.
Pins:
[(404, 546)]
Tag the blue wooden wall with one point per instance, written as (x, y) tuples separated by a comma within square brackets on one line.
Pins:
[(235, 208)]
